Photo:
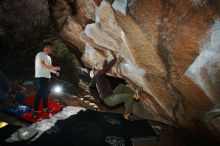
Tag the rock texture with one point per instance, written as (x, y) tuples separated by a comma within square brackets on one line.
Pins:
[(170, 48)]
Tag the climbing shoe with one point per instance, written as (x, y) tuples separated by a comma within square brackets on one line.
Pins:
[(35, 115), (46, 110)]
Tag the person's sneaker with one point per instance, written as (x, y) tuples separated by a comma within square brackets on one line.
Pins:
[(35, 115), (46, 110)]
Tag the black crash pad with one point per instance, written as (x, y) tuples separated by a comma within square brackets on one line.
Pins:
[(95, 128)]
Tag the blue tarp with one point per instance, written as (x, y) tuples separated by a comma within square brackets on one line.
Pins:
[(18, 110)]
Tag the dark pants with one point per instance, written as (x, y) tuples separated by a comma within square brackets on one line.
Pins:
[(42, 87)]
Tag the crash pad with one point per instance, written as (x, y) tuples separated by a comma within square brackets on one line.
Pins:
[(53, 106), (28, 116), (95, 128)]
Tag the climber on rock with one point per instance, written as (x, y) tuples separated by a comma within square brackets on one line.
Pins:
[(113, 97)]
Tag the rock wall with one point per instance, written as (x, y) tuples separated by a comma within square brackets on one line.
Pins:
[(170, 48)]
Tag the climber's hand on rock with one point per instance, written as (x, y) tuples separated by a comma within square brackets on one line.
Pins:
[(120, 59)]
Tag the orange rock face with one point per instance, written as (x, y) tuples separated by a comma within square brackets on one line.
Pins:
[(170, 48)]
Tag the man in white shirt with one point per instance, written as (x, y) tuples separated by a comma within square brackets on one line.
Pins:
[(43, 69)]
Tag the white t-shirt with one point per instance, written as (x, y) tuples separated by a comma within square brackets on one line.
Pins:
[(39, 70)]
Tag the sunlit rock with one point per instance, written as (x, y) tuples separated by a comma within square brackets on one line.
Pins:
[(86, 10), (72, 31), (121, 6)]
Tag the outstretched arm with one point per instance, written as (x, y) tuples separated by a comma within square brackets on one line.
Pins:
[(107, 67), (53, 69)]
